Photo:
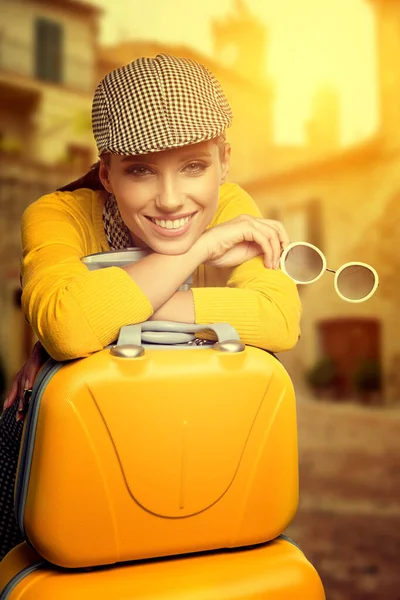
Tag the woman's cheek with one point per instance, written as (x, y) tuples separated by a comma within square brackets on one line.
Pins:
[(131, 197)]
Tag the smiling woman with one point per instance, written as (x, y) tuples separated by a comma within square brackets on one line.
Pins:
[(159, 124)]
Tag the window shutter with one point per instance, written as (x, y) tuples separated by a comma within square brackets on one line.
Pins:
[(48, 50)]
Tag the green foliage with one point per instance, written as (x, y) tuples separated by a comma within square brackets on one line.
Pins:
[(368, 376), (323, 374)]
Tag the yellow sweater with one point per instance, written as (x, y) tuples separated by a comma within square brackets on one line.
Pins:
[(75, 312)]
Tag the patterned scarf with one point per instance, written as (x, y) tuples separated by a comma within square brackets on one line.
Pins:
[(117, 233)]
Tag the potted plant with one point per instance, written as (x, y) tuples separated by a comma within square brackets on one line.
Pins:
[(322, 377), (367, 380)]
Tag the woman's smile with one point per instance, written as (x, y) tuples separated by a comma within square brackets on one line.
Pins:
[(169, 227)]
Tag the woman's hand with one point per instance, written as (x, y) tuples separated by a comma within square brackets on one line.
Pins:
[(236, 241), (24, 380)]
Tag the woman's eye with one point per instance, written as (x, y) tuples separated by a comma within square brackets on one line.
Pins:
[(138, 171), (195, 167)]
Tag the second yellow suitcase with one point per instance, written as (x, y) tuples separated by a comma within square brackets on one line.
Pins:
[(274, 571), (148, 449)]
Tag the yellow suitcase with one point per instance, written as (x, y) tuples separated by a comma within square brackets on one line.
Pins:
[(277, 570), (148, 449)]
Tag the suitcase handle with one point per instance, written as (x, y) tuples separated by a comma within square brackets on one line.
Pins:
[(170, 333)]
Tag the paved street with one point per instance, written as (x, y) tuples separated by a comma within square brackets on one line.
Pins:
[(348, 522)]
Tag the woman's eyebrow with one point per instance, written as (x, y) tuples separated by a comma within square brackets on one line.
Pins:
[(135, 158), (194, 155), (150, 160)]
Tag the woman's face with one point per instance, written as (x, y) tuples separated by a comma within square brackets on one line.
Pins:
[(167, 198)]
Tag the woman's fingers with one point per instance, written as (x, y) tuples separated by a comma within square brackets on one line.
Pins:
[(275, 242), (12, 394), (258, 235), (24, 380), (274, 231), (270, 236), (28, 375), (23, 384), (282, 233)]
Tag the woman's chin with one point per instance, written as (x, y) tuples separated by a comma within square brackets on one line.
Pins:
[(171, 246)]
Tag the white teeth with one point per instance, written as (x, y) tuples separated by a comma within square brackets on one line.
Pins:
[(177, 224)]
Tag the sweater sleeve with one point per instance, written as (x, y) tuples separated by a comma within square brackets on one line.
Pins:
[(72, 310), (262, 304)]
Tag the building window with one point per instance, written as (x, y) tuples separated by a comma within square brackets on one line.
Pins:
[(48, 50)]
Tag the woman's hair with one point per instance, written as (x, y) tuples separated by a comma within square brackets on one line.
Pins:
[(91, 179)]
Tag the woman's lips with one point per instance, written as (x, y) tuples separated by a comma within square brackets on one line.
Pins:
[(170, 232)]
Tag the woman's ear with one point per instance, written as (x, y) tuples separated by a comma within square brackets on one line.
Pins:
[(226, 162), (104, 173)]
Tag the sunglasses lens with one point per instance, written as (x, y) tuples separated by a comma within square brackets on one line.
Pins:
[(356, 282), (303, 263)]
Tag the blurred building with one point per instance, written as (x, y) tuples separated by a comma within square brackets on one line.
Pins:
[(48, 55), (347, 203), (323, 128)]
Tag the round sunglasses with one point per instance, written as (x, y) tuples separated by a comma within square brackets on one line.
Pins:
[(305, 263)]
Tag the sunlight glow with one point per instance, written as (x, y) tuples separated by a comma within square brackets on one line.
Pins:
[(310, 43)]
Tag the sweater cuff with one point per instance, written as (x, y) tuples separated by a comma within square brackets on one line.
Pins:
[(107, 313)]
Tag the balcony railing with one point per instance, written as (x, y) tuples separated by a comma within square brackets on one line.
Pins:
[(18, 57)]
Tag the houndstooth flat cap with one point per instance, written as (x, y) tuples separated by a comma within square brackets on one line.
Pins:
[(154, 104)]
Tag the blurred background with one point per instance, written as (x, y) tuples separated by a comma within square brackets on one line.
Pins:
[(315, 90)]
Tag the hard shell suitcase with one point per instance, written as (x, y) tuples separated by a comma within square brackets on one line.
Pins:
[(146, 449), (277, 570)]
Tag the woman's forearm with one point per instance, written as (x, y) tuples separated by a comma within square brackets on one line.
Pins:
[(159, 277), (179, 308)]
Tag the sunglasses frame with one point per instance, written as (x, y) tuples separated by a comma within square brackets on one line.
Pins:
[(325, 268)]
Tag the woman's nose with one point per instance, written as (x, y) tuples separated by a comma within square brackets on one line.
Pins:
[(169, 199)]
